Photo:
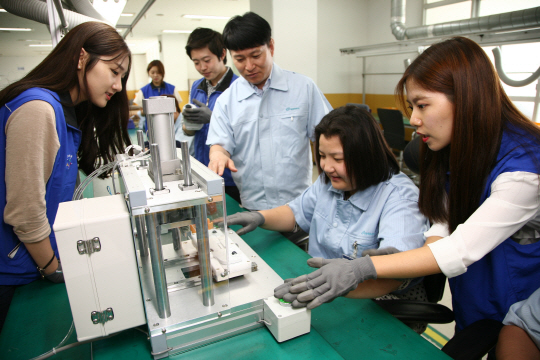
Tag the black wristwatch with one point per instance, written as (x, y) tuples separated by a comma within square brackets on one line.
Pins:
[(41, 270)]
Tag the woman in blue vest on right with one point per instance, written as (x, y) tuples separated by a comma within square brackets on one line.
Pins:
[(480, 160)]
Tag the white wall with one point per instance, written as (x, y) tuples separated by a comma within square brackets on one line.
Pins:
[(15, 68), (175, 60), (378, 31), (341, 23), (308, 35), (351, 23), (294, 30)]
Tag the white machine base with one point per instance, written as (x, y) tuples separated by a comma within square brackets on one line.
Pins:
[(284, 321)]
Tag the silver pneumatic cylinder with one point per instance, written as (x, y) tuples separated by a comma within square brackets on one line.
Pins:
[(159, 117)]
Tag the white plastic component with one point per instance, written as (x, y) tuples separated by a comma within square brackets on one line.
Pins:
[(239, 263), (103, 279), (285, 322)]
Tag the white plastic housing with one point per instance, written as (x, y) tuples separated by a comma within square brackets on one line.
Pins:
[(285, 322), (104, 279)]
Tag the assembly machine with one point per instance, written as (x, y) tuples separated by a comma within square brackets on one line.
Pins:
[(159, 253)]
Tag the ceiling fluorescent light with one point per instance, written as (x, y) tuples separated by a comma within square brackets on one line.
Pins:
[(178, 31), (40, 45), (15, 29), (127, 14), (3, 10), (206, 17)]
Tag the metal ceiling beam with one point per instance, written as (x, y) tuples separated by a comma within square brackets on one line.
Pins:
[(141, 13), (409, 46)]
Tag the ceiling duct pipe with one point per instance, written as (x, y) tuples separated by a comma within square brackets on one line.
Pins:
[(505, 78), (85, 8), (515, 20), (37, 10)]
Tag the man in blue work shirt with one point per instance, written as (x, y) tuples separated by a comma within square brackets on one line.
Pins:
[(205, 48), (262, 124)]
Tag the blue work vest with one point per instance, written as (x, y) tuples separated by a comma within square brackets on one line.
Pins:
[(510, 272), (21, 269), (165, 89), (199, 92)]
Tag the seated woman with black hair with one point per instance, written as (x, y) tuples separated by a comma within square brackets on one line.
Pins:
[(361, 202)]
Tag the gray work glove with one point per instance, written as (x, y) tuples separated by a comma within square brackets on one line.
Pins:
[(199, 115), (282, 292), (384, 251), (249, 220), (57, 276), (335, 277)]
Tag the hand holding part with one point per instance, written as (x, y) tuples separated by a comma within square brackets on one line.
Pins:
[(57, 276), (384, 251), (249, 220), (200, 114), (334, 278)]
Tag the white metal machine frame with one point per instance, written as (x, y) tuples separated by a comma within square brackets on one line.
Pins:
[(160, 253)]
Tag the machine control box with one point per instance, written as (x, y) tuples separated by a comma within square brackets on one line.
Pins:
[(284, 321), (100, 269)]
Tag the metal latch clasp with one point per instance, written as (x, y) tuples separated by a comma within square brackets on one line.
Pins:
[(88, 246), (101, 317)]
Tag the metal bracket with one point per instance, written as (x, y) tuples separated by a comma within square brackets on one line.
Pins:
[(159, 192), (188, 187), (88, 246), (101, 317)]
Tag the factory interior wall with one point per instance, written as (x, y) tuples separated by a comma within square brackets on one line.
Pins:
[(13, 68), (308, 35), (350, 23)]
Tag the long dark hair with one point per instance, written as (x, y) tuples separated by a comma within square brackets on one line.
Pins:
[(460, 69), (104, 130), (368, 158)]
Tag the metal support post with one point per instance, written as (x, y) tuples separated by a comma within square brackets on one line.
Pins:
[(141, 235), (203, 247), (156, 167), (158, 267), (186, 164)]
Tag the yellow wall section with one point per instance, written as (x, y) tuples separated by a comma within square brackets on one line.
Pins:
[(183, 94), (131, 94), (374, 101)]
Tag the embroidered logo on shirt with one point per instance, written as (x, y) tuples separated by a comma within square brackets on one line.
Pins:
[(289, 109), (367, 233), (69, 161)]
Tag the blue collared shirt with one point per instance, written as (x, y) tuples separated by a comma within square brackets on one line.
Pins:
[(526, 314), (381, 216), (267, 136)]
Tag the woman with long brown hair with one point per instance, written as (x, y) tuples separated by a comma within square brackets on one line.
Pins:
[(70, 112), (479, 188)]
